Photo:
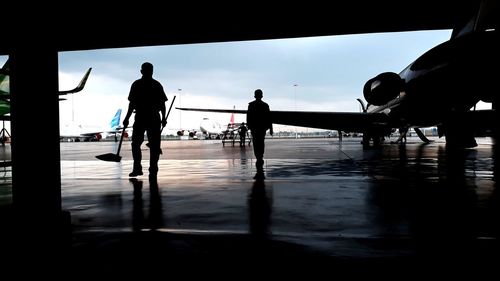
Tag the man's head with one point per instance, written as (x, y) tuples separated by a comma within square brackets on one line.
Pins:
[(147, 69), (258, 94)]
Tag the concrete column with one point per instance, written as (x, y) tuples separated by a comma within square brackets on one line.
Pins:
[(36, 173)]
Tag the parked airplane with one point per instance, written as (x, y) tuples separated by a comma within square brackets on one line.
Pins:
[(440, 88), (211, 129), (72, 132), (5, 90), (187, 132), (214, 130)]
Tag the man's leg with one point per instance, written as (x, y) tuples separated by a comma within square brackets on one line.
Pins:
[(154, 138), (137, 140), (258, 149)]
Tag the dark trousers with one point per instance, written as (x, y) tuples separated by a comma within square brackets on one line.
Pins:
[(258, 147), (152, 129)]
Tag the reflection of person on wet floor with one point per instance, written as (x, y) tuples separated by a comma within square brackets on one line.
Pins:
[(260, 208), (243, 133), (155, 214), (147, 98), (259, 121)]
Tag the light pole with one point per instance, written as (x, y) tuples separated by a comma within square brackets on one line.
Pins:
[(180, 111), (295, 96), (295, 102)]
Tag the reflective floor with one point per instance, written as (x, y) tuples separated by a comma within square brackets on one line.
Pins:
[(319, 199)]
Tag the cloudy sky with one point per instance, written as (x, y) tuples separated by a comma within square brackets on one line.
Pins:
[(329, 72)]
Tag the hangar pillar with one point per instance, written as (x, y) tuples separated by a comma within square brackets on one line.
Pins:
[(36, 172)]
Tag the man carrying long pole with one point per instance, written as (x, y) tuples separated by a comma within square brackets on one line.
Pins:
[(147, 98)]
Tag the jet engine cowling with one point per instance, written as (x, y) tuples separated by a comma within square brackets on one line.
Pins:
[(383, 88)]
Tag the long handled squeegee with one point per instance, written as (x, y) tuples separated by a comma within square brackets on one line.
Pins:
[(116, 157), (111, 156)]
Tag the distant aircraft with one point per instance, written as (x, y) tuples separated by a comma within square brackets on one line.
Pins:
[(79, 133), (211, 129), (192, 133), (440, 88), (5, 90), (187, 132), (214, 130)]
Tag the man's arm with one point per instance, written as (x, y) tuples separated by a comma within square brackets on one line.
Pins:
[(163, 116), (129, 113), (163, 100), (271, 132)]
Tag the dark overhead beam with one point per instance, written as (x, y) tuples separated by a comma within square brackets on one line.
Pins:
[(82, 27)]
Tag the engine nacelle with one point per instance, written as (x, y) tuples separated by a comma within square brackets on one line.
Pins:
[(383, 88)]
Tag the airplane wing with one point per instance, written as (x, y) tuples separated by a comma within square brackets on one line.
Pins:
[(5, 73), (345, 121), (213, 110), (5, 90), (479, 120), (80, 86)]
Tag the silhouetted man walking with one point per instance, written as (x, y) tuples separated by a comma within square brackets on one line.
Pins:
[(147, 98), (259, 121)]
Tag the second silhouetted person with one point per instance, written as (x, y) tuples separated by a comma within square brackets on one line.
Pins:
[(259, 121)]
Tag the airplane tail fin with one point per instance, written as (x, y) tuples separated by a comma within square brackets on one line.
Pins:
[(80, 85), (115, 122), (231, 120)]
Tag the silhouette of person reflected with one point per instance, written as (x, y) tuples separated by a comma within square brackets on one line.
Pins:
[(155, 215), (260, 207), (147, 98), (259, 121), (137, 207), (155, 205)]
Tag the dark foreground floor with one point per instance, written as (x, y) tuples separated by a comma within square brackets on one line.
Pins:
[(321, 203)]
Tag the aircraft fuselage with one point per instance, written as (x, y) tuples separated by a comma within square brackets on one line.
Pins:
[(450, 78)]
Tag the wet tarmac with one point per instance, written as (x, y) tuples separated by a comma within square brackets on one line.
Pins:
[(319, 198)]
